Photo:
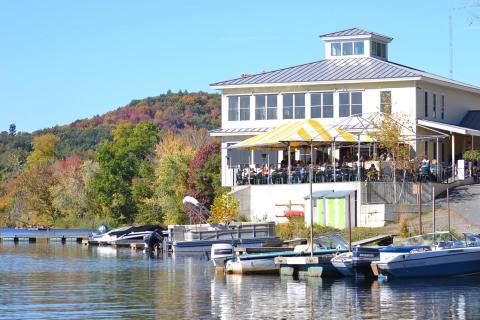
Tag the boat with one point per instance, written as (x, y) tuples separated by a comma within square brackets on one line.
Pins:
[(343, 263), (220, 253), (446, 256), (317, 263), (201, 237), (128, 234)]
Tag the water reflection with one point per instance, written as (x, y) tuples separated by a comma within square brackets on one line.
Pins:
[(40, 281)]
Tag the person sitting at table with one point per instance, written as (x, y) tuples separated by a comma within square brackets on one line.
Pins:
[(264, 171), (372, 173)]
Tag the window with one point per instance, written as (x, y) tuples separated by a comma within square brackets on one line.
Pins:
[(350, 103), (265, 107), (426, 149), (322, 105), (347, 48), (378, 49), (294, 106), (336, 50), (386, 101), (442, 114), (434, 105), (358, 47), (233, 108), (244, 108), (238, 108), (426, 103)]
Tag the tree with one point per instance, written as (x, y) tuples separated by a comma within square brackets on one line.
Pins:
[(204, 174), (43, 149), (119, 161), (174, 154), (225, 208)]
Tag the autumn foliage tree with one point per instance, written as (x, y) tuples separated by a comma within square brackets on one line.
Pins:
[(225, 208), (204, 174)]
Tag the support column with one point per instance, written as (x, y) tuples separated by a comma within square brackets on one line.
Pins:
[(453, 156), (438, 165), (289, 164)]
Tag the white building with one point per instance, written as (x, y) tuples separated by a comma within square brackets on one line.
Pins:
[(355, 77)]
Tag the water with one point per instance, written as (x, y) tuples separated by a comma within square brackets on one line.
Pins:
[(55, 281)]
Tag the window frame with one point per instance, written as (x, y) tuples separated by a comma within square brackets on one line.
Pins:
[(322, 104), (425, 104), (442, 114), (434, 105), (383, 104), (350, 104), (265, 108), (238, 108), (339, 49), (294, 106)]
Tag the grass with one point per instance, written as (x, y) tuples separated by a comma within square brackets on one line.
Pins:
[(297, 229)]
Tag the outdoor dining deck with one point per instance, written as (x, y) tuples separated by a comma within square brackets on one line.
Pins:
[(344, 174)]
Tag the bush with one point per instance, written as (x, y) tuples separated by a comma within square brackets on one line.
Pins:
[(472, 155)]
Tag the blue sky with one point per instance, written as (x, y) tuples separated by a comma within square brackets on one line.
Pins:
[(65, 60)]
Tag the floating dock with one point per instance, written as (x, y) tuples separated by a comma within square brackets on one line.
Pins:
[(37, 235)]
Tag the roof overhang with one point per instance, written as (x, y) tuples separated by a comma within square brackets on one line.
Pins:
[(310, 83), (234, 132), (452, 84), (359, 36), (449, 127)]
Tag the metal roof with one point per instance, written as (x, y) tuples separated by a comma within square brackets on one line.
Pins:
[(328, 70), (353, 32), (471, 120), (238, 131)]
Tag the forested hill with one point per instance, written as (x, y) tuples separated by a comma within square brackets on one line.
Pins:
[(131, 165), (170, 111)]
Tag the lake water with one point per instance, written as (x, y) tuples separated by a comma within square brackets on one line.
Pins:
[(55, 281)]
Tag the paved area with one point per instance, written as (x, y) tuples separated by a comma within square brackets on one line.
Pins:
[(464, 202)]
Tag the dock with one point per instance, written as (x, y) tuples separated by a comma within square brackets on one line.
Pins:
[(44, 235)]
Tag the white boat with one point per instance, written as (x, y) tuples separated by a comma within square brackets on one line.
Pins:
[(220, 253), (443, 258), (343, 263), (126, 234)]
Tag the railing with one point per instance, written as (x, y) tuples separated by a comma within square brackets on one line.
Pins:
[(406, 192)]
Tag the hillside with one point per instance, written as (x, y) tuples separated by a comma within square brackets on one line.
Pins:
[(170, 111)]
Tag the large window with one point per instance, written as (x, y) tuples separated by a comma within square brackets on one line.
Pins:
[(426, 103), (350, 104), (378, 49), (294, 106), (322, 105), (347, 48), (238, 108), (386, 101), (434, 105), (266, 107)]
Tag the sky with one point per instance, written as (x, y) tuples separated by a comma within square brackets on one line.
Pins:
[(65, 60)]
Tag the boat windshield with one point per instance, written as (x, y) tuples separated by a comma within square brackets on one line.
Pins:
[(333, 241), (427, 239)]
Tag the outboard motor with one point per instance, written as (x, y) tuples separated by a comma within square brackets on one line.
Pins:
[(152, 242), (220, 253), (102, 229)]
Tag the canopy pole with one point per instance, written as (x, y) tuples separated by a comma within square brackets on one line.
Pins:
[(289, 164), (358, 161), (333, 162), (311, 198), (437, 169), (433, 212), (249, 163), (453, 156)]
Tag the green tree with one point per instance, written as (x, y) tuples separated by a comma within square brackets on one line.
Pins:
[(120, 161), (43, 149)]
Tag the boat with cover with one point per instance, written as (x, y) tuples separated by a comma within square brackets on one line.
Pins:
[(445, 256), (127, 234)]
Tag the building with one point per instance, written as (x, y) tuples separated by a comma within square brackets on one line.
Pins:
[(356, 77)]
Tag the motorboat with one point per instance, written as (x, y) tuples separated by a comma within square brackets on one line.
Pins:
[(220, 253), (317, 263), (446, 256), (343, 263), (128, 234)]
